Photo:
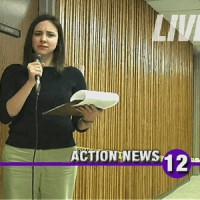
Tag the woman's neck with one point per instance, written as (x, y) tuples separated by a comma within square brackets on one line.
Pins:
[(48, 60)]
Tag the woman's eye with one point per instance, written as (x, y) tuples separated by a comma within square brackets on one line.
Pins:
[(37, 33), (45, 34), (51, 35)]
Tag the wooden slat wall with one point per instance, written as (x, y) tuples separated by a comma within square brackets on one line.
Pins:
[(112, 40), (11, 48)]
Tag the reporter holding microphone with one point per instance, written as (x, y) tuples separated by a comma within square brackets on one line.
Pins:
[(22, 105)]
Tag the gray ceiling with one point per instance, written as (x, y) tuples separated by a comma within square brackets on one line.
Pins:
[(180, 7)]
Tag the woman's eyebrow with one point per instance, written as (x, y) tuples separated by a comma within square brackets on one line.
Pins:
[(46, 31), (51, 32)]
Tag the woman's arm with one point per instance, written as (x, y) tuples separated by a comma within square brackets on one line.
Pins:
[(15, 103)]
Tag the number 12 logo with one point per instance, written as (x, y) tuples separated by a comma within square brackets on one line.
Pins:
[(176, 163)]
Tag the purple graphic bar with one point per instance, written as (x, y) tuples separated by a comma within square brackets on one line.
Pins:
[(195, 163), (23, 164)]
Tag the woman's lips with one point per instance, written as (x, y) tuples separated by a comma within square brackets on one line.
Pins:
[(43, 47)]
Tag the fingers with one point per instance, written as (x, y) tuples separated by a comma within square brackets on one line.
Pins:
[(87, 108), (35, 68), (89, 112)]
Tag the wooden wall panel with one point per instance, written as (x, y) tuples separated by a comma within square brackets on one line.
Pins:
[(112, 41), (18, 15)]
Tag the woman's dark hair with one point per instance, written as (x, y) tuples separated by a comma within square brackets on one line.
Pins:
[(59, 52)]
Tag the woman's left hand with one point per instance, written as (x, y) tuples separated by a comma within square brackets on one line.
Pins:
[(89, 112)]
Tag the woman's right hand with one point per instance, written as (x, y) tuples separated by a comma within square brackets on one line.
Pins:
[(34, 69)]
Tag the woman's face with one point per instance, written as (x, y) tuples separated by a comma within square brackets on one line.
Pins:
[(45, 38)]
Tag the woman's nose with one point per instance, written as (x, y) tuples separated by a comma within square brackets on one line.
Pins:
[(43, 38)]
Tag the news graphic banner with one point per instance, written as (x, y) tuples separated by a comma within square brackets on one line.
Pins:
[(176, 163)]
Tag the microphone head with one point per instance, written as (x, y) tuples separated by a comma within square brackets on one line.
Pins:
[(36, 57)]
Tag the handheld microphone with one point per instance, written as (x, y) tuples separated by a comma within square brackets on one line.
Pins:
[(38, 58)]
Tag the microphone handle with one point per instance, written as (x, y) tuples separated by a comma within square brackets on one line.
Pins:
[(37, 78), (37, 82)]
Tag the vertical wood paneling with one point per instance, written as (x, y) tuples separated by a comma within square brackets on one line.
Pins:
[(112, 39)]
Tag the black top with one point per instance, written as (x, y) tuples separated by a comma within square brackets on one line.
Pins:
[(56, 89)]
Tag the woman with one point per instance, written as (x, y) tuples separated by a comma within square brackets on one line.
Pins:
[(52, 136)]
